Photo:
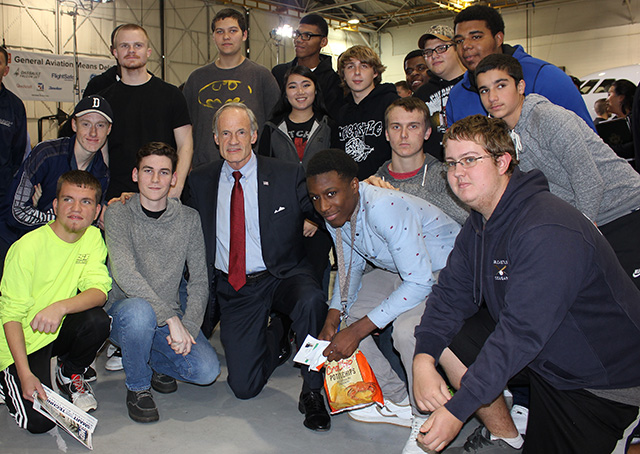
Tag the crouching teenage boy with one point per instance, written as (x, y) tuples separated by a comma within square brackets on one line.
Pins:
[(581, 169), (408, 240), (150, 238), (54, 285), (559, 312)]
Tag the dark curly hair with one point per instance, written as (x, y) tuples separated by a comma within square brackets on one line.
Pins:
[(490, 16)]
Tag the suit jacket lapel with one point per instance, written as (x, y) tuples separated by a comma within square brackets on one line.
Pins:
[(213, 206), (265, 183)]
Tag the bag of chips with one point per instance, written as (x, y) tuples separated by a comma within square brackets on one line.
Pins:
[(350, 384)]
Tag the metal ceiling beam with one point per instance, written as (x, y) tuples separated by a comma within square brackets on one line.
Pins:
[(336, 6)]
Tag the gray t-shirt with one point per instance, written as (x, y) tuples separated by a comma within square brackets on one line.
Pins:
[(209, 87)]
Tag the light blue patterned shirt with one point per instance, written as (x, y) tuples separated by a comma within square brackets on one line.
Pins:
[(399, 233)]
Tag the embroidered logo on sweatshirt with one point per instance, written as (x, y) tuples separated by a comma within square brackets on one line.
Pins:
[(82, 259), (500, 270)]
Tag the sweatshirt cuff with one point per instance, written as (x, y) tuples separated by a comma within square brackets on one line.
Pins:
[(430, 344), (193, 328), (163, 315), (463, 404)]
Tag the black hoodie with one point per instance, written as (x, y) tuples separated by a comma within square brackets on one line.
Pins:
[(328, 79), (435, 94), (361, 129)]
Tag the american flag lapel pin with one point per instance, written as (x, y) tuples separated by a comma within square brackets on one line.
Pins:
[(265, 183)]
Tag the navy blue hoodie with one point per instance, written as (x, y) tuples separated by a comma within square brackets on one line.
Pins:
[(563, 304)]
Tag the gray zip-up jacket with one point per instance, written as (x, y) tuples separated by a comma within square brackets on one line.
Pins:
[(580, 167), (275, 140)]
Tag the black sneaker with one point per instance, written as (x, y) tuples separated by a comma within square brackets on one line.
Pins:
[(141, 406), (163, 383)]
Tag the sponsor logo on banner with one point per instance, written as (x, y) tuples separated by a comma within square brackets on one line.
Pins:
[(62, 76), (26, 74), (54, 88), (25, 87), (40, 86)]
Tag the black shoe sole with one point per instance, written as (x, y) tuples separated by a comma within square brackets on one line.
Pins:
[(316, 429), (165, 389), (144, 419)]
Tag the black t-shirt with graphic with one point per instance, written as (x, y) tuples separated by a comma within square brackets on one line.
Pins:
[(299, 134)]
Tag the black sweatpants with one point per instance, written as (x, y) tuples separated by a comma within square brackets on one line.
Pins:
[(622, 235), (81, 336)]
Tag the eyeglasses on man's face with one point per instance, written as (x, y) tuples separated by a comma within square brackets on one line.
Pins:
[(428, 53), (304, 36)]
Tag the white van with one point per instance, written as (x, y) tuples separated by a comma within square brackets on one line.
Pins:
[(595, 86)]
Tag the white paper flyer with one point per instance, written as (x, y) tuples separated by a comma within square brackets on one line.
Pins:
[(78, 423), (310, 353)]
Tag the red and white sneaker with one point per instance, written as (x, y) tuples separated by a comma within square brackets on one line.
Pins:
[(77, 390)]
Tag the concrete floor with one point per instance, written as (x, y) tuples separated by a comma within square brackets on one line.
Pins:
[(202, 419), (209, 419)]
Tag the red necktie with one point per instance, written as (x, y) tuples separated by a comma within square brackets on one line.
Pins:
[(237, 261)]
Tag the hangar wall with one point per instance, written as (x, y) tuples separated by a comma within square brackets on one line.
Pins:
[(47, 26), (583, 36)]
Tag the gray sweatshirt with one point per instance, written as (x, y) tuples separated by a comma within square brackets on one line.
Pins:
[(147, 258), (580, 167), (429, 184)]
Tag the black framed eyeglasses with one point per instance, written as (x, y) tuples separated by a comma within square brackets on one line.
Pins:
[(427, 53), (304, 36)]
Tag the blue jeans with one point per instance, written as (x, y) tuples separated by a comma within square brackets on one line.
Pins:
[(145, 348)]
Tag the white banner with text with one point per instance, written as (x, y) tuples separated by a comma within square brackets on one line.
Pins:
[(47, 77)]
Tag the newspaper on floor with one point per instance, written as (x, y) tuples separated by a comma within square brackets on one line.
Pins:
[(78, 423), (310, 353)]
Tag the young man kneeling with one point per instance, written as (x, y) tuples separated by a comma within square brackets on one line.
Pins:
[(54, 284), (150, 238)]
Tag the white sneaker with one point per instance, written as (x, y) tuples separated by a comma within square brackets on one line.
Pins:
[(520, 416), (77, 390), (111, 349), (396, 414), (411, 446), (114, 363)]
